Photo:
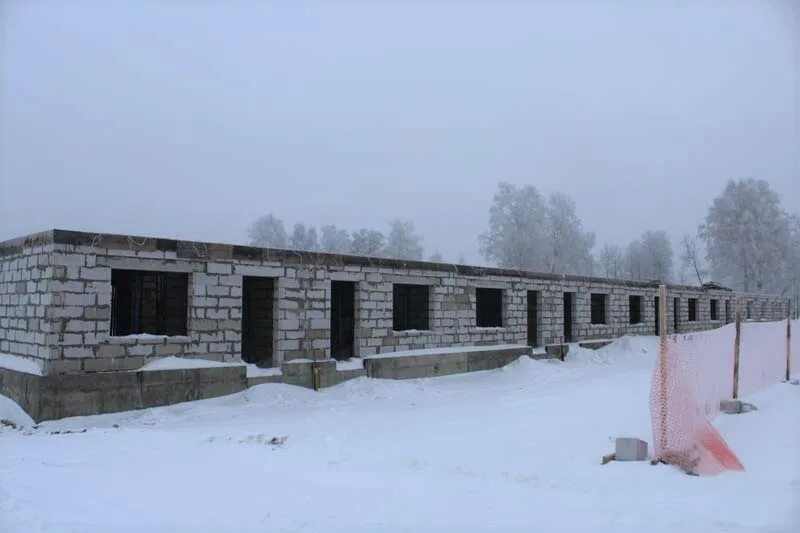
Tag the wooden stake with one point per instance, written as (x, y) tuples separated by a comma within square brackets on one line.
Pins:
[(736, 344), (662, 361), (789, 342)]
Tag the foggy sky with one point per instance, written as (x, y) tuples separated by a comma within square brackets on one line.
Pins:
[(189, 120)]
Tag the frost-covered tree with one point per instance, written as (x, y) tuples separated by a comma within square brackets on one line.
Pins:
[(569, 248), (403, 241), (611, 261), (367, 242), (650, 257), (515, 238), (304, 238), (658, 255), (268, 230), (528, 233), (634, 261), (748, 237), (436, 257), (334, 240), (792, 282)]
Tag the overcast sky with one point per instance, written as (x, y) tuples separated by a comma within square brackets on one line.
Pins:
[(189, 120)]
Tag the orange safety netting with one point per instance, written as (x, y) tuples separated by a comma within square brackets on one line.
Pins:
[(694, 372)]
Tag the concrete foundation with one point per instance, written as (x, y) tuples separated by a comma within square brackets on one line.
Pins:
[(408, 366), (61, 396), (300, 372)]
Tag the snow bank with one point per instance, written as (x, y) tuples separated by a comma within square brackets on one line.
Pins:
[(20, 364), (10, 411), (619, 351), (512, 449)]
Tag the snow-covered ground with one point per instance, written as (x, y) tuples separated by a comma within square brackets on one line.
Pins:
[(515, 449)]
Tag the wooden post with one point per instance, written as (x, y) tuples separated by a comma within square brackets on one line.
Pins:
[(662, 361), (315, 380), (736, 344), (789, 343)]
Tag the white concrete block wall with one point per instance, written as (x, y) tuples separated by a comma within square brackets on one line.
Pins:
[(25, 325), (68, 284)]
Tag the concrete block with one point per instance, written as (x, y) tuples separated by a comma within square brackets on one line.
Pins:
[(218, 290), (630, 449), (78, 352), (735, 407), (557, 350), (169, 349), (95, 274), (62, 366), (80, 326), (81, 300), (219, 268), (141, 349), (97, 313)]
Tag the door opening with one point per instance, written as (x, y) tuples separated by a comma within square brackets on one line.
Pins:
[(343, 319), (568, 302), (257, 320), (658, 315), (533, 318), (676, 311)]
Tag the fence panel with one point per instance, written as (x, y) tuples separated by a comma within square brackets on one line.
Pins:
[(762, 356), (694, 372)]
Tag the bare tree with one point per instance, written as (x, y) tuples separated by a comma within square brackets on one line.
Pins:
[(691, 259), (611, 261), (569, 248)]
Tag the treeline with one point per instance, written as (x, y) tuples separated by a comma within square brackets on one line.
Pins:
[(747, 241), (402, 240)]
